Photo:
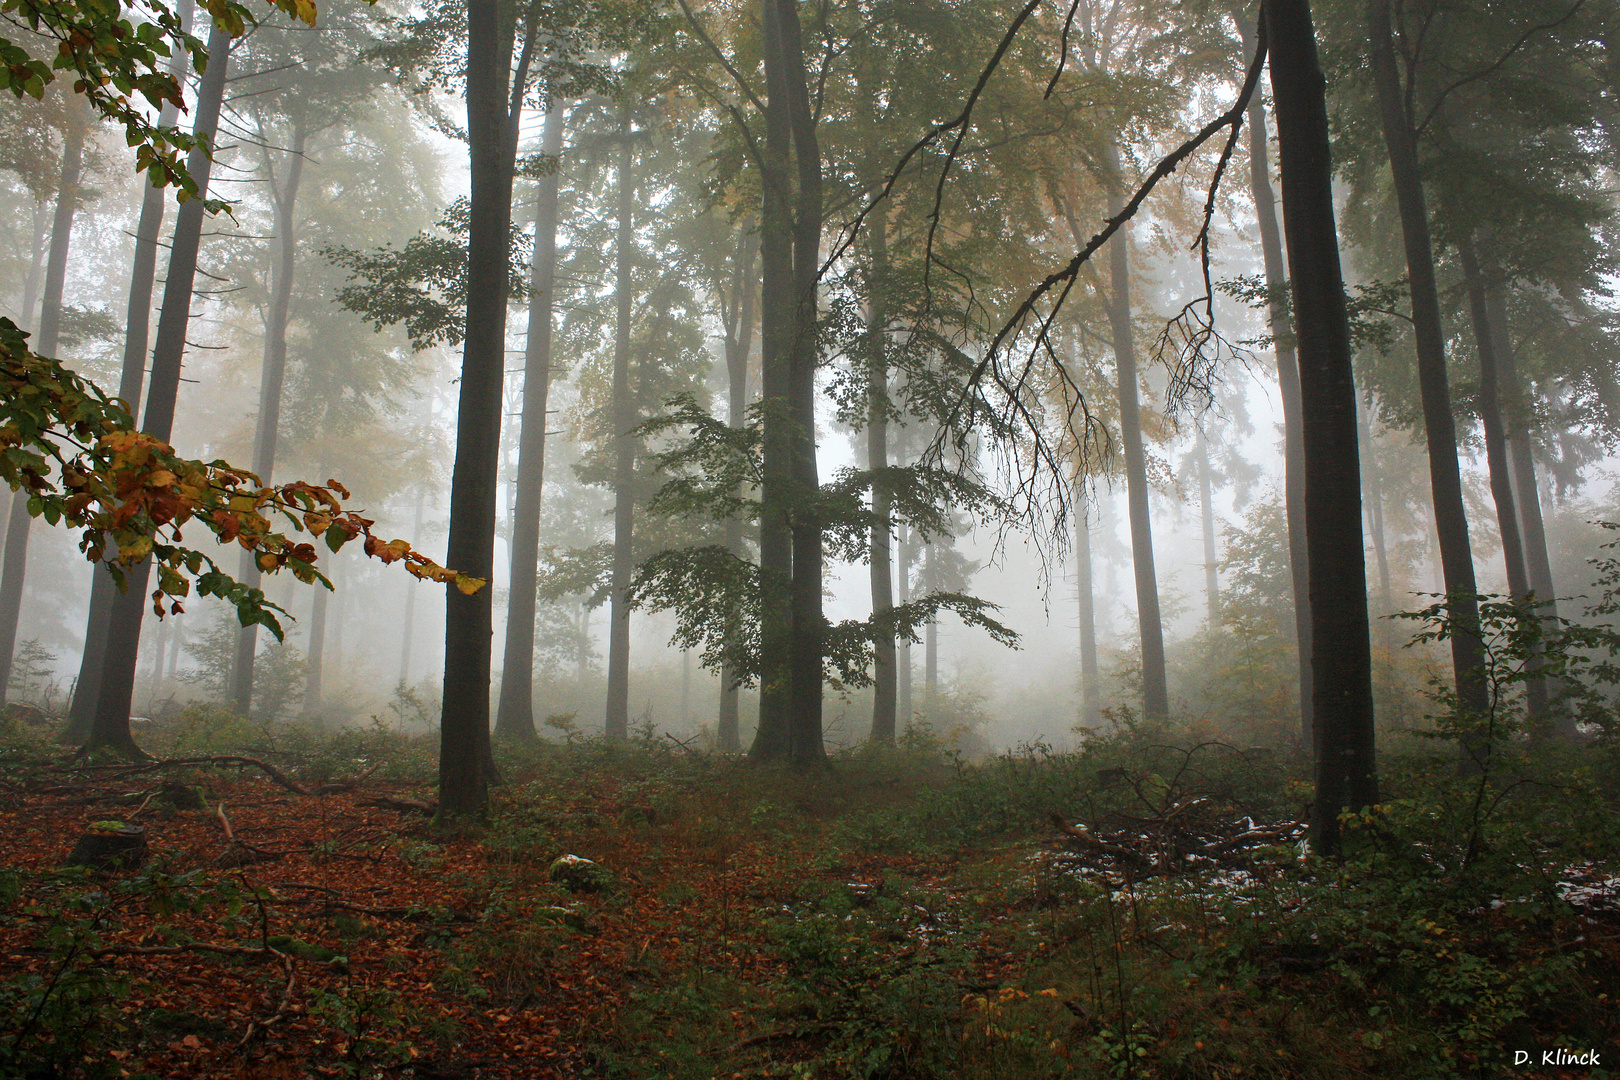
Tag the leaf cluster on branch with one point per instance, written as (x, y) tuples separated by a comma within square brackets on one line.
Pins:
[(115, 56), (78, 455)]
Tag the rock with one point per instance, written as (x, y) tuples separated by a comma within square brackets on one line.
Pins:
[(580, 875), (110, 845), (562, 916)]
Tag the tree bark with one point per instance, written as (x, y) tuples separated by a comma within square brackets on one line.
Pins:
[(1373, 485), (315, 657), (1501, 473), (50, 324), (623, 415), (903, 698), (469, 619), (739, 326), (808, 625), (778, 314), (930, 637), (1090, 680), (881, 569), (1445, 477), (1155, 693), (408, 631), (132, 378), (1206, 502), (1282, 335), (1346, 767), (110, 725), (272, 375), (514, 717)]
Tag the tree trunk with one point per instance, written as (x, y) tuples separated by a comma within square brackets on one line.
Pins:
[(1445, 478), (50, 324), (778, 312), (930, 638), (1282, 334), (132, 378), (1206, 500), (808, 621), (903, 702), (314, 659), (36, 266), (408, 632), (110, 726), (739, 325), (1155, 694), (271, 378), (877, 459), (1373, 485), (623, 414), (469, 619), (1346, 767), (514, 717), (1090, 681)]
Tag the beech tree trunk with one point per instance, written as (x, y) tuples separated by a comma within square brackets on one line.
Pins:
[(1445, 478), (1282, 334), (903, 699), (272, 376), (623, 412), (514, 716), (132, 378), (50, 325), (778, 315), (1155, 693), (881, 568), (1346, 766), (1496, 456), (1373, 485), (1206, 503), (408, 632), (315, 657), (469, 619), (739, 326), (808, 626), (930, 637), (1090, 679), (109, 727)]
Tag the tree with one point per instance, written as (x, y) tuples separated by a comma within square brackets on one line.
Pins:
[(623, 419), (50, 325), (132, 380), (1451, 519), (1346, 767), (514, 716)]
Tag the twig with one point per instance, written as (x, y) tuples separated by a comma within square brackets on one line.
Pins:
[(224, 822), (257, 1027), (138, 809)]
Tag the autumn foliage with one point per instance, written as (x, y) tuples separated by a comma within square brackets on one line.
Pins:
[(77, 453)]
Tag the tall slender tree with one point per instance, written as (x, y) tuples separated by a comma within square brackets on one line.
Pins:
[(50, 326), (1282, 336), (109, 727), (622, 408), (1440, 428), (514, 716), (1346, 765), (132, 380)]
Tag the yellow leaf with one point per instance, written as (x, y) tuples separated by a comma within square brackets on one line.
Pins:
[(468, 584)]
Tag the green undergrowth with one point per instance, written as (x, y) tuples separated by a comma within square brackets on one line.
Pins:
[(906, 913)]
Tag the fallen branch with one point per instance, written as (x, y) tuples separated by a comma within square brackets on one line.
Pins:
[(1102, 847)]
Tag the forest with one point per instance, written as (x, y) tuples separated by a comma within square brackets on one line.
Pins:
[(884, 539)]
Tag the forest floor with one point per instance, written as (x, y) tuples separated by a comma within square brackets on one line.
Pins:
[(890, 916)]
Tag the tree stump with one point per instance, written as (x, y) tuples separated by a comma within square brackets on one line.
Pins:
[(111, 845)]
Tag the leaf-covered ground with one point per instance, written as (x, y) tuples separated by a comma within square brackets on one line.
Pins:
[(885, 918)]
